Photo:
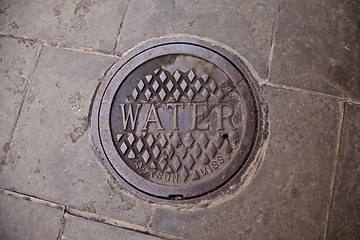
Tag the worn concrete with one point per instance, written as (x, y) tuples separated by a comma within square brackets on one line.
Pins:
[(317, 47), (304, 55), (17, 62), (345, 214), (246, 26), (287, 198), (21, 219), (50, 148), (90, 24), (78, 228)]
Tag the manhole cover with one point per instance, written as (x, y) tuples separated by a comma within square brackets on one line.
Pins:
[(175, 118)]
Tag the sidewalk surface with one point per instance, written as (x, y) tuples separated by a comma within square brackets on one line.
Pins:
[(305, 55)]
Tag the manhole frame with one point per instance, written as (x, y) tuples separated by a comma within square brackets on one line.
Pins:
[(154, 43)]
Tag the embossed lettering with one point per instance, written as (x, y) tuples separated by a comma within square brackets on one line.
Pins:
[(159, 175), (209, 168), (196, 115), (175, 177), (221, 116), (167, 176), (130, 116), (152, 117), (221, 159), (152, 172), (204, 172), (178, 129), (175, 113), (138, 164), (145, 169), (215, 164)]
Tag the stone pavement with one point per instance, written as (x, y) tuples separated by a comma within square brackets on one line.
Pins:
[(304, 55)]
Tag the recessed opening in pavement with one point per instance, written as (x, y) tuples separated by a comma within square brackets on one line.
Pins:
[(175, 119)]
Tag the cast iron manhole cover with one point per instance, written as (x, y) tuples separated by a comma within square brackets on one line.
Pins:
[(176, 118)]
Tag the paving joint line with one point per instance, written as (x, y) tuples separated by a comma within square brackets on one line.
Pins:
[(87, 215), (120, 224), (25, 90), (353, 102), (34, 40), (273, 40), (33, 199), (151, 217), (46, 43), (81, 49), (62, 226), (335, 166), (121, 27), (306, 91), (333, 85)]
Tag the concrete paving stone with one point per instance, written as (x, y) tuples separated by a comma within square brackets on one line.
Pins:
[(93, 24), (317, 46), (17, 61), (82, 229), (345, 215), (288, 197), (246, 26), (21, 219), (51, 155)]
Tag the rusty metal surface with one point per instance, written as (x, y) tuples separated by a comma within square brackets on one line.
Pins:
[(175, 119)]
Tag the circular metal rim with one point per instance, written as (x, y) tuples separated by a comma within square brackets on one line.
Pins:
[(144, 184), (228, 56)]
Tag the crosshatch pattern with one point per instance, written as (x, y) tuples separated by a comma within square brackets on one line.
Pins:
[(185, 156)]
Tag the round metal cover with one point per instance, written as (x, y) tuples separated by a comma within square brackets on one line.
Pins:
[(175, 118)]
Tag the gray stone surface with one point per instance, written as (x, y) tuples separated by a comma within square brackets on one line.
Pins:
[(17, 61), (21, 220), (51, 149), (82, 229), (345, 215), (246, 26), (93, 24), (288, 197), (317, 47)]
